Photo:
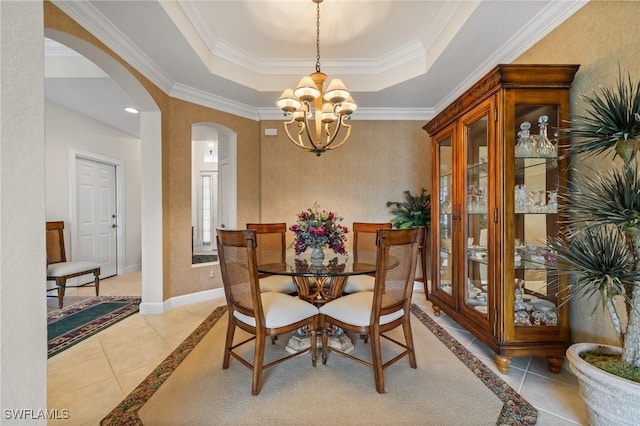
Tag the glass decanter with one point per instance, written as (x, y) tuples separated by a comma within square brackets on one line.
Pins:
[(525, 146), (545, 147)]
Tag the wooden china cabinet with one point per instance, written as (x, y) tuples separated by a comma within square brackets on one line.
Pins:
[(496, 177)]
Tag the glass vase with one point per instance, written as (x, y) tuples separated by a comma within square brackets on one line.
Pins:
[(317, 255)]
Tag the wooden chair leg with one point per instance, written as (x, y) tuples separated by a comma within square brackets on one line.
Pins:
[(314, 340), (376, 360), (314, 347), (231, 328), (325, 342), (408, 338), (97, 282), (61, 287), (258, 362)]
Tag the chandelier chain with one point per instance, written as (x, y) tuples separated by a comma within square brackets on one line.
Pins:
[(318, 36)]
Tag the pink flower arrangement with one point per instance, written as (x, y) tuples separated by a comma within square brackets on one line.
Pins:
[(316, 228)]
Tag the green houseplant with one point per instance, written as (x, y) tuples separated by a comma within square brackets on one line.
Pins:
[(601, 247), (415, 210)]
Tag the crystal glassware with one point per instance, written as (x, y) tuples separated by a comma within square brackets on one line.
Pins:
[(545, 147), (525, 145)]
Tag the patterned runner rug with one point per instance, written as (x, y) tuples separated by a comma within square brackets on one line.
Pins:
[(74, 323), (201, 390)]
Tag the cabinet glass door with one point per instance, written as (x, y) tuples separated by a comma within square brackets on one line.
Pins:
[(477, 136), (445, 215), (536, 216)]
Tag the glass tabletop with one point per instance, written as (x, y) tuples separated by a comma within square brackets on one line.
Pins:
[(333, 265)]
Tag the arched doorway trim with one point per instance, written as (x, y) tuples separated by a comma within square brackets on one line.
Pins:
[(150, 167)]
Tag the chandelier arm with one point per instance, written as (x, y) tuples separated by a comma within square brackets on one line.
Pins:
[(342, 124), (293, 140), (332, 136), (308, 127)]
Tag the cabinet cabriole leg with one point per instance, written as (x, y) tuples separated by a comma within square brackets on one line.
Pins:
[(554, 364), (503, 363)]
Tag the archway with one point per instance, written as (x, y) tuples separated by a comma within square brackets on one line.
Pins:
[(150, 165), (214, 185)]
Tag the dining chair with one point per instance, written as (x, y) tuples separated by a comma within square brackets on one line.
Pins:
[(260, 314), (272, 247), (383, 309), (59, 269), (364, 240)]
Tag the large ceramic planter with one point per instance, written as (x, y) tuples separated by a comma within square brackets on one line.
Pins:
[(611, 400)]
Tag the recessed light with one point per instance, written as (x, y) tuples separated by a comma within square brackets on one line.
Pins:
[(131, 110)]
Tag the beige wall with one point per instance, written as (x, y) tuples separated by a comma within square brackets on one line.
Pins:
[(598, 37), (380, 161), (181, 277)]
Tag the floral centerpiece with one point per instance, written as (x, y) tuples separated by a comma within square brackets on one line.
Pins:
[(319, 229)]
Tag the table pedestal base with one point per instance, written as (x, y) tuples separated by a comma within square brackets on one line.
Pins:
[(301, 341)]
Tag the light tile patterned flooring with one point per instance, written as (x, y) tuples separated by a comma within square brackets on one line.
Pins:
[(92, 377)]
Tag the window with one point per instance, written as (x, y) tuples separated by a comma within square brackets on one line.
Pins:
[(207, 207)]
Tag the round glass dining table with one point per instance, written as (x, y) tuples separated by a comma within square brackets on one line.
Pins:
[(319, 283)]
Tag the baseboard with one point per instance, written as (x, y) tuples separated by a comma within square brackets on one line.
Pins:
[(151, 308), (132, 268), (188, 299)]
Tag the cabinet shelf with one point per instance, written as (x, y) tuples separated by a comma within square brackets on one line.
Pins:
[(505, 204), (535, 266), (548, 213)]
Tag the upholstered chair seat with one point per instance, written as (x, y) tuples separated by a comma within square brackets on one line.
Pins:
[(278, 284), (373, 313), (364, 240), (356, 309), (261, 314), (280, 310)]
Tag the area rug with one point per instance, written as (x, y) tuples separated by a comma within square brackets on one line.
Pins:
[(186, 397), (74, 323)]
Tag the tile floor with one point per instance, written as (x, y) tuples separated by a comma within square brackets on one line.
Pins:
[(92, 377)]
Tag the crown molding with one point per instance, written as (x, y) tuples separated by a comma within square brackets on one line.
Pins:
[(549, 18), (302, 66), (219, 103), (374, 114), (552, 15), (200, 97), (85, 14)]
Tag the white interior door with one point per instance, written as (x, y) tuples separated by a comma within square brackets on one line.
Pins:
[(227, 195), (96, 215)]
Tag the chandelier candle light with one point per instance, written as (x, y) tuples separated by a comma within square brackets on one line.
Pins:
[(330, 111)]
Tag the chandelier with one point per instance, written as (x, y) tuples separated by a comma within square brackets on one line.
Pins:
[(320, 118)]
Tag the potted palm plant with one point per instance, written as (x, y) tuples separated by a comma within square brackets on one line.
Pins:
[(414, 211), (601, 247)]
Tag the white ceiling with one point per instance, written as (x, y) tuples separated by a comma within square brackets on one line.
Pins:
[(400, 59)]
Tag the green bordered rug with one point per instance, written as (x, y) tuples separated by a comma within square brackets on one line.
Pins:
[(515, 411), (74, 323)]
